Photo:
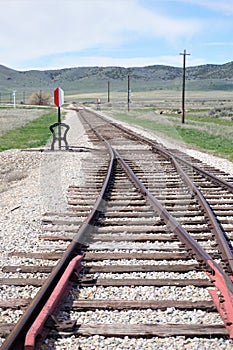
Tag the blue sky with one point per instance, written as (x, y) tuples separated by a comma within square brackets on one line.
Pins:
[(52, 34)]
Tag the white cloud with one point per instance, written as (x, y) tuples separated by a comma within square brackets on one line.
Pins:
[(219, 43), (224, 6), (30, 29)]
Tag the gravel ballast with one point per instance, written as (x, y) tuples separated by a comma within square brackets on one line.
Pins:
[(34, 182)]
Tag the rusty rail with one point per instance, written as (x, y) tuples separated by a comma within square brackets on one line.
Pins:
[(154, 145), (224, 300), (217, 229), (15, 341)]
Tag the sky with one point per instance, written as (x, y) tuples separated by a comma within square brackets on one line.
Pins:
[(54, 34)]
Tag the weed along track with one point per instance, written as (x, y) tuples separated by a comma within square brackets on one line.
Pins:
[(143, 253)]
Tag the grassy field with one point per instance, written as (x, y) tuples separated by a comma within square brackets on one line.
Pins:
[(208, 119), (25, 128)]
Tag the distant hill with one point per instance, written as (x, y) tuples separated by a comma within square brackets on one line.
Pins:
[(94, 79)]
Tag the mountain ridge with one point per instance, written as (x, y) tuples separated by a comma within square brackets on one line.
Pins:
[(95, 78)]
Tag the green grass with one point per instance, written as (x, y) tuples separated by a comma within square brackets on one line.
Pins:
[(207, 119), (202, 136), (218, 145), (147, 123), (34, 134)]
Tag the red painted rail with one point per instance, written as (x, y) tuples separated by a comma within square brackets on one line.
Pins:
[(60, 290)]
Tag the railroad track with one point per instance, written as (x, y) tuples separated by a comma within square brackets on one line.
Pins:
[(156, 259)]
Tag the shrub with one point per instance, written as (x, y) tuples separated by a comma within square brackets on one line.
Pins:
[(40, 98), (226, 112)]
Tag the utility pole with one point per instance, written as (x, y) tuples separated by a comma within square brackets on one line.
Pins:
[(184, 54), (108, 91), (14, 98), (129, 92)]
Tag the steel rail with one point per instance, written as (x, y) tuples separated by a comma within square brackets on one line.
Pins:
[(224, 301), (155, 146), (212, 177), (164, 151), (16, 338), (37, 329), (217, 229)]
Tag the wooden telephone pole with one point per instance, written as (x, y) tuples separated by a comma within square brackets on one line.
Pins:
[(184, 54), (129, 93), (108, 91)]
